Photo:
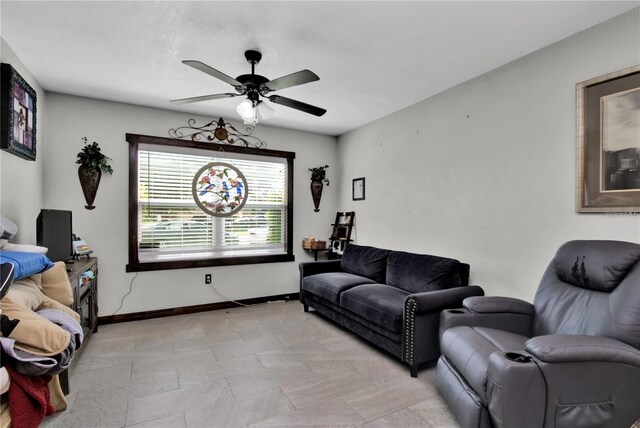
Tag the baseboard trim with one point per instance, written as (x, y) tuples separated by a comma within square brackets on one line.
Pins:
[(159, 313)]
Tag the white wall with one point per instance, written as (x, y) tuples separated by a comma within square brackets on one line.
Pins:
[(22, 181), (485, 172), (105, 228)]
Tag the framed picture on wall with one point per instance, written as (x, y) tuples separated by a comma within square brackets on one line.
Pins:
[(17, 114), (357, 190), (608, 178)]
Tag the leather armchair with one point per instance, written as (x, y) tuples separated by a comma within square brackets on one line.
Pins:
[(570, 359)]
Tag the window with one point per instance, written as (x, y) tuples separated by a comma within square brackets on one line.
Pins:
[(167, 230)]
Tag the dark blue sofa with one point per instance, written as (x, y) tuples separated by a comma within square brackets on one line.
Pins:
[(393, 299)]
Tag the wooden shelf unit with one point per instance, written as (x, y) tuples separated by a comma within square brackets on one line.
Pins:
[(85, 303), (341, 234)]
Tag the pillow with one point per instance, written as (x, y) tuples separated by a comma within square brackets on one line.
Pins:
[(55, 284), (34, 333), (25, 292), (25, 248), (369, 262), (25, 264), (417, 273)]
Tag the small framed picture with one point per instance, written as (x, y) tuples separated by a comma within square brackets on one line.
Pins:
[(17, 114), (358, 189)]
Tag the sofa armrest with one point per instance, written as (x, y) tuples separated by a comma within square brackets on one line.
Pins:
[(435, 301), (421, 322), (496, 304), (314, 268), (562, 348)]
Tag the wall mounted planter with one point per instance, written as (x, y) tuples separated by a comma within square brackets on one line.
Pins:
[(92, 163), (89, 183), (316, 193)]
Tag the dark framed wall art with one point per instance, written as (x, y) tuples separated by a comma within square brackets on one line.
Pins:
[(608, 163), (357, 189), (17, 114)]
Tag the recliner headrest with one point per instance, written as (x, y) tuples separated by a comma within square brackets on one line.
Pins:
[(595, 265)]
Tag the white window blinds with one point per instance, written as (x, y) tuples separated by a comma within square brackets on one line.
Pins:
[(172, 227)]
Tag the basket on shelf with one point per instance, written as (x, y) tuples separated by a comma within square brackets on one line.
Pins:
[(313, 244)]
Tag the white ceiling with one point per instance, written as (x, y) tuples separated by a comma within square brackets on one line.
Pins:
[(373, 58)]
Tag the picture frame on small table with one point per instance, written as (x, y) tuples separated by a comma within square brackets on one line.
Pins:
[(18, 109)]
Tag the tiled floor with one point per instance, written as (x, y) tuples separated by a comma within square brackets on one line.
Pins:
[(265, 365)]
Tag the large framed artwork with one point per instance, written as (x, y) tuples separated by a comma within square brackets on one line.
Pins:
[(609, 143), (17, 114)]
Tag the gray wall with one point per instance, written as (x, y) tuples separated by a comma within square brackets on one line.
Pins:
[(105, 228), (22, 181), (485, 172)]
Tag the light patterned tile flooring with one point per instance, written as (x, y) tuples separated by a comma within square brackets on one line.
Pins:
[(265, 365)]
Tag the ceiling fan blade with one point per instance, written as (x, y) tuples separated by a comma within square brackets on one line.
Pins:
[(203, 98), (212, 72), (298, 105), (294, 79)]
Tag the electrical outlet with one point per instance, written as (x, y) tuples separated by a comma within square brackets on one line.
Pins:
[(207, 278)]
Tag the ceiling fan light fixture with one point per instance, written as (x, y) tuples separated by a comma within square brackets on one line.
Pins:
[(264, 111), (246, 111), (253, 112)]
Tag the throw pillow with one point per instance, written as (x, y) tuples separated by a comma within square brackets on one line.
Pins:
[(369, 262), (34, 333), (25, 264), (55, 284), (10, 246)]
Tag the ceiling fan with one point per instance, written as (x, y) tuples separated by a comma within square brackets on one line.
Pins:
[(255, 86)]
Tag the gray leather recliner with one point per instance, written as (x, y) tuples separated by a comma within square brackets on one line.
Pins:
[(572, 359)]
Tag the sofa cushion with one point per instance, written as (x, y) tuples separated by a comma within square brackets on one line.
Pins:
[(468, 350), (417, 273), (380, 304), (356, 324), (330, 285), (365, 261)]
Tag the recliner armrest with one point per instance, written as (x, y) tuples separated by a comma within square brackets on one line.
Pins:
[(514, 322), (435, 301), (563, 348), (497, 304), (323, 266)]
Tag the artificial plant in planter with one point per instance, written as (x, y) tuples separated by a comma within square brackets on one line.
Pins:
[(318, 179), (92, 163)]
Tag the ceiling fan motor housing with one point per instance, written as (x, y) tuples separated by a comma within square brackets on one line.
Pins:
[(252, 81)]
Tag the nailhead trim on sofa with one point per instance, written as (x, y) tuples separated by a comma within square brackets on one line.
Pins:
[(409, 319)]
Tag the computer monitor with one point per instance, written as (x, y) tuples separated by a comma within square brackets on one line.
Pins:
[(54, 230)]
